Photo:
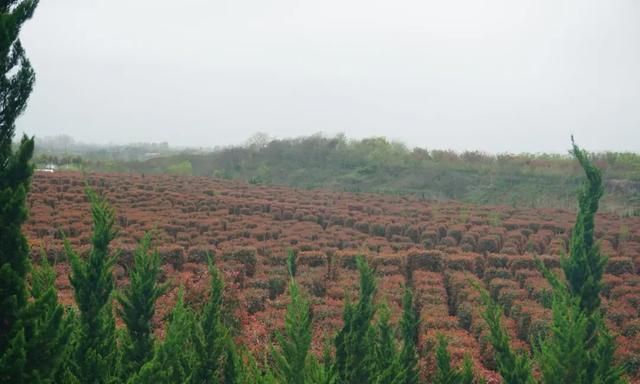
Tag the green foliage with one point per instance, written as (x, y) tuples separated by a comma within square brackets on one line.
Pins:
[(14, 358), (445, 373), (48, 329), (291, 356), (92, 279), (386, 363), (354, 357), (578, 348), (515, 368), (409, 328), (585, 266), (137, 307), (183, 168), (16, 82), (173, 358), (378, 165), (292, 266), (211, 336)]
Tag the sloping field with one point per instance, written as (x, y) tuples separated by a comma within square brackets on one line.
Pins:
[(249, 228)]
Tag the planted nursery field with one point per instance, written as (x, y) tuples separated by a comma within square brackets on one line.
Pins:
[(249, 228)]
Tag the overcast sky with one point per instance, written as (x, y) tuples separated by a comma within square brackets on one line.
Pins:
[(493, 75)]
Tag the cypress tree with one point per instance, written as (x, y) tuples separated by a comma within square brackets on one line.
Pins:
[(292, 265), (16, 82), (354, 342), (386, 363), (137, 307), (585, 265), (409, 328), (514, 367), (445, 374), (579, 347), (92, 279), (211, 336), (232, 367), (173, 358), (293, 345), (48, 329)]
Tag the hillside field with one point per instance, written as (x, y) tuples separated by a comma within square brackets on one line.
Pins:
[(249, 228)]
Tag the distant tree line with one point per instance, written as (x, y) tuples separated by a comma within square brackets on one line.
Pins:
[(378, 165)]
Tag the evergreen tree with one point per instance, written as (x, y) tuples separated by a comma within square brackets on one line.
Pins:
[(137, 307), (386, 363), (445, 374), (293, 345), (292, 265), (515, 368), (409, 328), (232, 368), (173, 359), (48, 329), (92, 279), (16, 82), (211, 336), (579, 347), (585, 265), (354, 342)]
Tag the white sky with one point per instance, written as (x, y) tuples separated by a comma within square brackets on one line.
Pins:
[(494, 75)]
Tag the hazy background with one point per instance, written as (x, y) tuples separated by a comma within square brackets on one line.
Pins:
[(499, 75)]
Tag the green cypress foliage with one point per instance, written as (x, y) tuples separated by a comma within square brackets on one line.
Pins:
[(293, 345), (292, 266), (354, 342), (515, 368), (137, 307), (585, 265), (92, 280), (233, 365), (386, 363), (16, 82), (211, 336), (48, 330), (445, 373), (563, 355), (579, 347), (409, 328), (173, 359), (14, 359)]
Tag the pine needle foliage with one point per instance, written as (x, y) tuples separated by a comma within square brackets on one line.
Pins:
[(137, 307), (353, 343), (92, 279)]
